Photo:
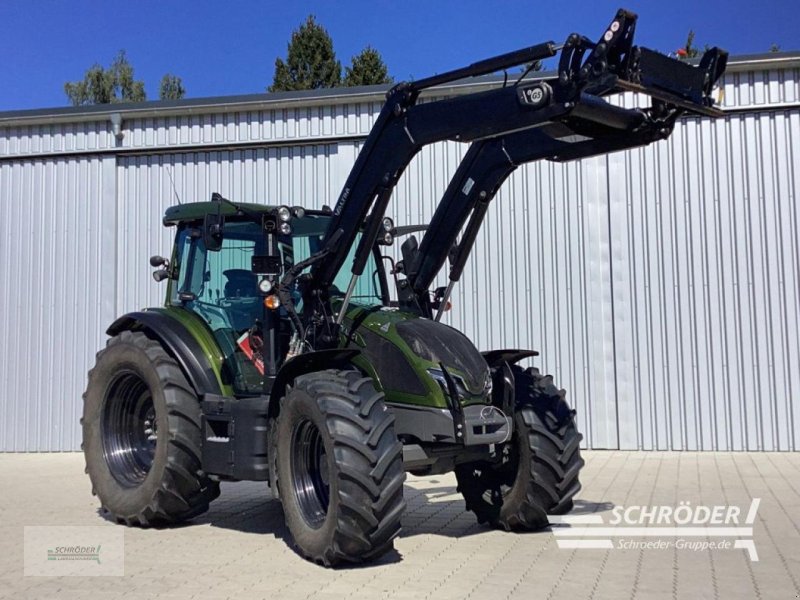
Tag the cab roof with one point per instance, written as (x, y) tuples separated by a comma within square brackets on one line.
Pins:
[(196, 211), (192, 212)]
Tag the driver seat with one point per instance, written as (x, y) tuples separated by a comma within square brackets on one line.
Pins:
[(240, 283)]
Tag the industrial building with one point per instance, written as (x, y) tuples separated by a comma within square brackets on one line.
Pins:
[(661, 285)]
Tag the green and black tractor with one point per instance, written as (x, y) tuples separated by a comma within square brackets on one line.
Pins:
[(291, 350)]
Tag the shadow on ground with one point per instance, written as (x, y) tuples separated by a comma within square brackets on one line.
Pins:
[(585, 507), (434, 509)]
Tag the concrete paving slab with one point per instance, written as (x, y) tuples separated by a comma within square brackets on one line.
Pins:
[(239, 549)]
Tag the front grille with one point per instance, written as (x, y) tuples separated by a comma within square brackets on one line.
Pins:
[(394, 370)]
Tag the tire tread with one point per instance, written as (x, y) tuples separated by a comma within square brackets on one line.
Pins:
[(184, 491), (369, 466), (555, 461)]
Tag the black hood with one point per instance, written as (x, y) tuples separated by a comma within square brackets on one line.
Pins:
[(439, 343)]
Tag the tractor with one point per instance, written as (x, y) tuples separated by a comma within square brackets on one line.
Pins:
[(291, 350)]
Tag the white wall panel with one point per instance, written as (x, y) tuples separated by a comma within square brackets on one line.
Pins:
[(291, 124), (54, 303)]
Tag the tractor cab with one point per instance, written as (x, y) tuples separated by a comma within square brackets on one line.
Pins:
[(226, 270)]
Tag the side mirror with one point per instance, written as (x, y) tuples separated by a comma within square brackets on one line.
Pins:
[(212, 231), (409, 249), (163, 269)]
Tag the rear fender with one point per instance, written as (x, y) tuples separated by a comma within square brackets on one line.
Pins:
[(178, 341)]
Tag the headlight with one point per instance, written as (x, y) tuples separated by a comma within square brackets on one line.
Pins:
[(285, 228), (299, 212), (438, 376), (388, 224), (265, 285), (284, 214)]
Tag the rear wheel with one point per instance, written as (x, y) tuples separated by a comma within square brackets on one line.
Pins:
[(538, 473), (141, 435), (339, 468)]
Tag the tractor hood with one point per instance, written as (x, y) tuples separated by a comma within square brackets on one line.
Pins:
[(443, 345), (406, 354)]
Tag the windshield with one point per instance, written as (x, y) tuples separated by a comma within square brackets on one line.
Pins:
[(221, 288), (216, 276), (306, 239)]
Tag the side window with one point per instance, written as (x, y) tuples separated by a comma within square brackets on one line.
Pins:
[(367, 289), (182, 245), (214, 277), (229, 282), (191, 261)]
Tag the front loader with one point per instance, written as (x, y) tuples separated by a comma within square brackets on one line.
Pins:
[(287, 353)]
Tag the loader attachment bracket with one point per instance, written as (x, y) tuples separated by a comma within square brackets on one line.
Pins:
[(677, 82), (614, 64)]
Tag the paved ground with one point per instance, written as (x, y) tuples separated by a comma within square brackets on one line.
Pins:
[(239, 549)]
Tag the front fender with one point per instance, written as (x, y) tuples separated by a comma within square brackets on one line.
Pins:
[(306, 363), (497, 357)]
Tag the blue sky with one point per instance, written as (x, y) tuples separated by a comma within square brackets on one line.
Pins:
[(226, 48)]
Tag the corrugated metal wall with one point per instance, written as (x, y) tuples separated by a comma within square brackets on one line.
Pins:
[(662, 285), (55, 234)]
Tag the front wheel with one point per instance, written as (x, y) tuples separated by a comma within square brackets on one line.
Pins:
[(537, 473), (339, 468)]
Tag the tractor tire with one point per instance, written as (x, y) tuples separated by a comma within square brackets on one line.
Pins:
[(339, 470), (141, 435), (538, 474)]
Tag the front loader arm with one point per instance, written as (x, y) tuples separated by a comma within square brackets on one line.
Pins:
[(591, 128), (484, 168), (507, 118), (401, 130)]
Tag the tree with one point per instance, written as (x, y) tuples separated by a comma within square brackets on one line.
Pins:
[(310, 61), (104, 86), (367, 68), (171, 88), (689, 50)]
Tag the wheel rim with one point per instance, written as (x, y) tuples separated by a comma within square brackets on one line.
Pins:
[(129, 429), (310, 473)]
